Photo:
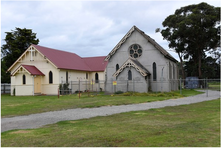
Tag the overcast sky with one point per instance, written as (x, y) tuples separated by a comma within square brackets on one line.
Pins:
[(89, 28)]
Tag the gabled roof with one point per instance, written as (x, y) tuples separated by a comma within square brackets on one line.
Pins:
[(96, 63), (32, 70), (149, 39), (67, 60), (134, 63)]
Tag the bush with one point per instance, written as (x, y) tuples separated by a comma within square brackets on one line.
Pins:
[(127, 94), (119, 92)]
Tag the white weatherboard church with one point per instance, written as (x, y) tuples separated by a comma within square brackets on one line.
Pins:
[(137, 63), (40, 70)]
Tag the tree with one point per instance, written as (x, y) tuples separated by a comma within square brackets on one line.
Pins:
[(17, 42), (192, 31), (209, 65)]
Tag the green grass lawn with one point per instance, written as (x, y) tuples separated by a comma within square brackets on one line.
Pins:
[(24, 105), (214, 86), (194, 125)]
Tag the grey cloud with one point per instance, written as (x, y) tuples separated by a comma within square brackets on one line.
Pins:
[(88, 28)]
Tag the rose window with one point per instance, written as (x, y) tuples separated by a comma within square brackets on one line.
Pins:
[(135, 51)]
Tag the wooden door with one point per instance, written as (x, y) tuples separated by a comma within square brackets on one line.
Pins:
[(37, 84)]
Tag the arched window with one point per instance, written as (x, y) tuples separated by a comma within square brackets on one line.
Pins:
[(170, 71), (129, 75), (117, 67), (66, 76), (96, 78), (23, 79), (154, 71), (50, 77)]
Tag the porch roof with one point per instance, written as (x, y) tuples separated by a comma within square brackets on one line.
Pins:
[(32, 70)]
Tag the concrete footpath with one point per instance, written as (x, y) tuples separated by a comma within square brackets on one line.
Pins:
[(41, 119)]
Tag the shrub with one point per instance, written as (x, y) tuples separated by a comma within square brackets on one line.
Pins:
[(119, 92)]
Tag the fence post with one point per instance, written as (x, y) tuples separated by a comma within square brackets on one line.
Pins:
[(180, 87), (127, 85), (58, 92), (206, 88), (79, 89), (92, 85), (71, 88), (133, 86), (4, 89), (99, 85)]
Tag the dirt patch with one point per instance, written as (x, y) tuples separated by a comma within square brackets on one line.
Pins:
[(11, 105), (20, 132), (72, 121)]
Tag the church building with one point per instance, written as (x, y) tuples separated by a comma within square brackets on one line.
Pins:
[(138, 63), (40, 70)]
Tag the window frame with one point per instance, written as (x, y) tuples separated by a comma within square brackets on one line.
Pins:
[(154, 71), (129, 75), (24, 79), (96, 77), (50, 77)]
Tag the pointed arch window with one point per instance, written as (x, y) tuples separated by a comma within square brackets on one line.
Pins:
[(50, 77), (129, 75), (96, 78), (23, 79), (154, 71), (66, 76), (117, 67)]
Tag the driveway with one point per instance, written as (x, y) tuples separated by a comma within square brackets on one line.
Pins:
[(41, 119)]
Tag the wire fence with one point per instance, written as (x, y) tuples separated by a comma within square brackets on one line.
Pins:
[(134, 85), (5, 88)]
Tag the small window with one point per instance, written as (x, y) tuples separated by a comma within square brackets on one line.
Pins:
[(23, 79), (66, 76), (154, 71), (129, 75), (50, 77), (86, 75), (96, 78), (117, 67)]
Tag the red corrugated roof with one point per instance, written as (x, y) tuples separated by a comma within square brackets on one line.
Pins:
[(96, 63), (68, 60), (33, 70)]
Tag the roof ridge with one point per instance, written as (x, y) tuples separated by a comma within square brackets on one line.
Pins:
[(94, 57), (57, 49)]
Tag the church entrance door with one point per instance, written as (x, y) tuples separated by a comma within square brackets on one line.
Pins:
[(37, 84)]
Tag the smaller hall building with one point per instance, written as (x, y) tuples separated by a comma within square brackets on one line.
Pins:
[(40, 70)]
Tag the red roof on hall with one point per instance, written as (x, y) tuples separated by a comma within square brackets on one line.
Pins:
[(96, 63), (68, 60), (33, 70)]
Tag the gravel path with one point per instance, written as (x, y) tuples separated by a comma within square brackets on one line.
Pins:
[(38, 120)]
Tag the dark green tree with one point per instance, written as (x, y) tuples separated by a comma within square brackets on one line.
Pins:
[(192, 31), (210, 66), (16, 42)]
